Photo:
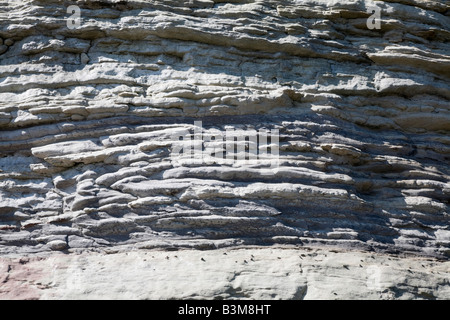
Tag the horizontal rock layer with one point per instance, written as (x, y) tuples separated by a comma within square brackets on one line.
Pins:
[(88, 118), (244, 273)]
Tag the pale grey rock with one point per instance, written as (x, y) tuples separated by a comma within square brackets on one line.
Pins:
[(244, 273), (84, 58), (89, 118), (57, 245)]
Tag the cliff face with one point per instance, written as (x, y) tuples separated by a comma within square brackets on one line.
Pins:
[(93, 103)]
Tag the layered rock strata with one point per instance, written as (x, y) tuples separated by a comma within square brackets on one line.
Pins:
[(89, 117)]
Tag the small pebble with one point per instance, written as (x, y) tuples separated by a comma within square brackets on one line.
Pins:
[(57, 245), (84, 59)]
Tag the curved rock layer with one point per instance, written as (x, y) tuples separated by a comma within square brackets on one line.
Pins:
[(88, 118)]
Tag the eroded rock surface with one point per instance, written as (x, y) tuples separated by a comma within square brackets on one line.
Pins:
[(236, 273), (88, 118)]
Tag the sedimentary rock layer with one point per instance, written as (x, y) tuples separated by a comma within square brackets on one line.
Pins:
[(88, 118), (244, 273)]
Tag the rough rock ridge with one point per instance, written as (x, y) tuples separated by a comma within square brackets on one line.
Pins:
[(88, 117)]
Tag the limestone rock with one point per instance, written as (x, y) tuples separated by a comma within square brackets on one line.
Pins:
[(244, 273), (90, 118), (57, 245)]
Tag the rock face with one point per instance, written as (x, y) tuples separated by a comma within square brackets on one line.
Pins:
[(92, 108), (238, 273)]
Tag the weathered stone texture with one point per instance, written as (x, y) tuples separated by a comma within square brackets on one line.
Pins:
[(88, 115)]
